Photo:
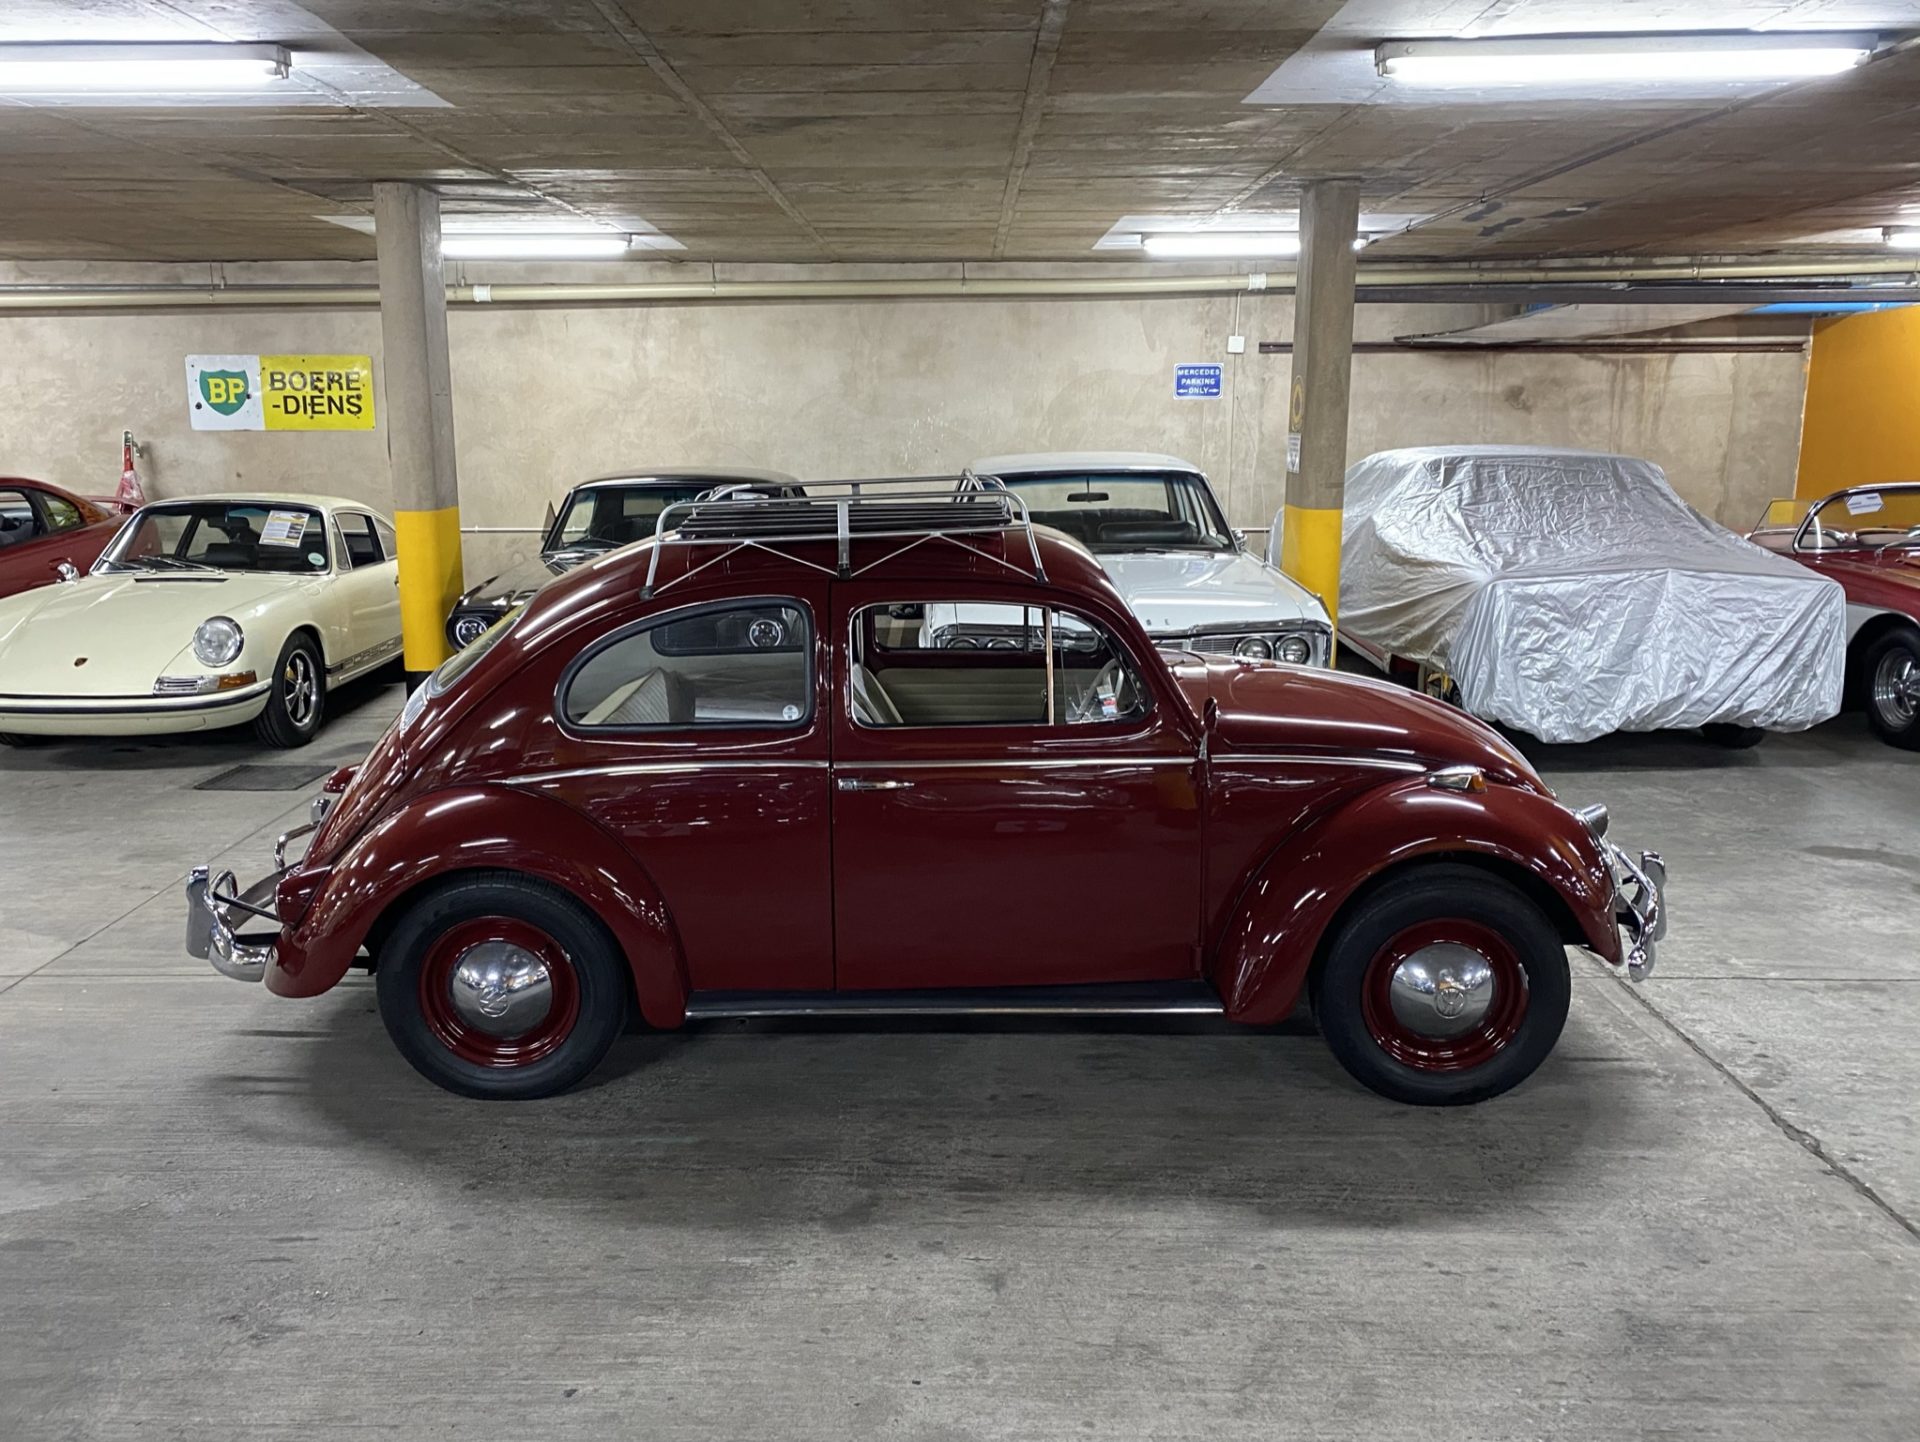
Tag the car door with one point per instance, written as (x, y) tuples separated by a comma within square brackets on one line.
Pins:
[(25, 561), (998, 821), (368, 583)]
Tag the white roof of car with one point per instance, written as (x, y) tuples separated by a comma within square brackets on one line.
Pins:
[(1042, 461), (270, 499), (666, 475)]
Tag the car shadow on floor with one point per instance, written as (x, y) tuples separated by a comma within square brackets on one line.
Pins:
[(1837, 742), (200, 750), (740, 1125)]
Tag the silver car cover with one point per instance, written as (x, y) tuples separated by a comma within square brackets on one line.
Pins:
[(1570, 594)]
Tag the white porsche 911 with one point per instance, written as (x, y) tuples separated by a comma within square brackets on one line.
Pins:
[(206, 612)]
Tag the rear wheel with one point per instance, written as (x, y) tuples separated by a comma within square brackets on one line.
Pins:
[(298, 696), (1734, 738), (501, 987), (1892, 670), (1446, 986)]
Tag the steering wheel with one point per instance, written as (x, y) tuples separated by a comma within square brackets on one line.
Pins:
[(1112, 680)]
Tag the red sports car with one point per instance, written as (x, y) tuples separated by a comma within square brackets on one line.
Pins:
[(46, 532), (1868, 539)]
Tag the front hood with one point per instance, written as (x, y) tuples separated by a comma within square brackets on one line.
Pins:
[(1178, 593), (1267, 707), (520, 579), (115, 635)]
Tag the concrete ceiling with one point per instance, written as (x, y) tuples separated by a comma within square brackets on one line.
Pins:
[(880, 130)]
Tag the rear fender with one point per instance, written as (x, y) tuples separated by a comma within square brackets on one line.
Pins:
[(484, 828), (1298, 894)]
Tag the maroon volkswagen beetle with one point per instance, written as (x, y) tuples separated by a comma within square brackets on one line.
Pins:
[(896, 751)]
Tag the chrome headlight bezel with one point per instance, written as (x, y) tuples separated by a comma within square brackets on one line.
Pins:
[(218, 641), (1253, 648), (478, 621), (1299, 644)]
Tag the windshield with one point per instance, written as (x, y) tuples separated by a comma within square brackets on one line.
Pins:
[(221, 536), (1127, 510), (598, 518), (1871, 520)]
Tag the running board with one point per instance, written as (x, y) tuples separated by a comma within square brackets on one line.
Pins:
[(1187, 998)]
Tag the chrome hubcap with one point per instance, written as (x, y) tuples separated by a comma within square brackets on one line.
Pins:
[(1442, 990), (1896, 688), (301, 688), (501, 989)]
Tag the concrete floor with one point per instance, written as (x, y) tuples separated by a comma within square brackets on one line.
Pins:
[(224, 1215)]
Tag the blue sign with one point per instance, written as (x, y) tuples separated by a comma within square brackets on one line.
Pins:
[(1196, 380)]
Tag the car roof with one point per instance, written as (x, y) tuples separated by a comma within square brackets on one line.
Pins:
[(1043, 461), (270, 500), (667, 475)]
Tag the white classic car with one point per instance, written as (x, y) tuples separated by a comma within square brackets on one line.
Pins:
[(1158, 530), (205, 612)]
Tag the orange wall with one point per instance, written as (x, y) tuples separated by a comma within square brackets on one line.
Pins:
[(1862, 419)]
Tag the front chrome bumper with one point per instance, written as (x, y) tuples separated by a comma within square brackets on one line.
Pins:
[(1639, 904), (212, 933)]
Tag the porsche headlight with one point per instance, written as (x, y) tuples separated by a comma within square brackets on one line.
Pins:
[(1297, 649), (1254, 648), (218, 641)]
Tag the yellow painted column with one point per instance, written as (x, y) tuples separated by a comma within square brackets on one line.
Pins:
[(1322, 378), (419, 415), (1862, 420)]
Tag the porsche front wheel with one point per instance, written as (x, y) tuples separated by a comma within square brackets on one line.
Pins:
[(1445, 986), (501, 987), (297, 697)]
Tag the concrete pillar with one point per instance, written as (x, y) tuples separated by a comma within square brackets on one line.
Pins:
[(419, 418), (1322, 378)]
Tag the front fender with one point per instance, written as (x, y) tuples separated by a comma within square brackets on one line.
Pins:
[(1298, 893), (484, 828)]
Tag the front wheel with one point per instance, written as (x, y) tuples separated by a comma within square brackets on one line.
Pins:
[(501, 987), (1734, 738), (1446, 986), (1892, 669), (297, 698)]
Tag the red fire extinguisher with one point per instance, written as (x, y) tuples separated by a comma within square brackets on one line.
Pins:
[(129, 497)]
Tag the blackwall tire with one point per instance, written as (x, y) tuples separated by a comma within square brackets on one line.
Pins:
[(501, 987), (1403, 960), (297, 702), (1890, 674), (1734, 738)]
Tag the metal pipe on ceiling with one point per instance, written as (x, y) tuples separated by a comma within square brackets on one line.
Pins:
[(1377, 278)]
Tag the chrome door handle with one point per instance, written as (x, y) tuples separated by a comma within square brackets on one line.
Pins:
[(871, 783)]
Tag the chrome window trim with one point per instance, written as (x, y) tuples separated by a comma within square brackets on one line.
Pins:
[(1023, 763)]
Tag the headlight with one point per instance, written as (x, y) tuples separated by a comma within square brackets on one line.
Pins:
[(469, 628), (1254, 648), (1297, 649), (218, 641)]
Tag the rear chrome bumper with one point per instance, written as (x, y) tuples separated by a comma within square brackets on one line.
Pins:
[(1639, 905), (212, 901)]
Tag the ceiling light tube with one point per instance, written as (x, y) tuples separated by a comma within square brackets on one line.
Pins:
[(88, 69), (533, 245), (1206, 244), (1902, 238), (1679, 56)]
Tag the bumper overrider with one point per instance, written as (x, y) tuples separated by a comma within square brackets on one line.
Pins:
[(1639, 895), (217, 910)]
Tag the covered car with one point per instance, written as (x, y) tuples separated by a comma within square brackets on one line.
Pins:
[(1570, 594)]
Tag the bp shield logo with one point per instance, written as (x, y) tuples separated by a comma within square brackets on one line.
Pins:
[(225, 391)]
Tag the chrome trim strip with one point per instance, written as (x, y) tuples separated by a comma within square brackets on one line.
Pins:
[(1242, 628), (831, 1005), (652, 768), (148, 705), (366, 660), (1411, 768), (1042, 763)]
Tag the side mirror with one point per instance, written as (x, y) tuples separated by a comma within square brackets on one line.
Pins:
[(1239, 538), (66, 570)]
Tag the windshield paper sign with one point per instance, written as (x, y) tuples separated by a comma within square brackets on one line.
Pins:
[(280, 392), (1191, 381)]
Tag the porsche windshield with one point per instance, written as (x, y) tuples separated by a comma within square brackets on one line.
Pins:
[(221, 536), (1127, 510)]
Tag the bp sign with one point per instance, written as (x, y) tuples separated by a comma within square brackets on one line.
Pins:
[(225, 391), (280, 392)]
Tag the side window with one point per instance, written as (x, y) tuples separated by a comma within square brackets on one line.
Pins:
[(17, 521), (388, 547), (361, 546), (737, 664), (970, 663), (61, 514)]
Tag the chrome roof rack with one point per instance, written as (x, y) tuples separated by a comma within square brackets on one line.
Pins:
[(911, 509)]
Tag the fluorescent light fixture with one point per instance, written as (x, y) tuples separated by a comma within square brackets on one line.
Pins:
[(80, 69), (1680, 56), (1902, 239), (1201, 244), (534, 245)]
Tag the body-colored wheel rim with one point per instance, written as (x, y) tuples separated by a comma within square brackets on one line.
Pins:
[(1444, 995), (499, 992), (300, 688), (1896, 689)]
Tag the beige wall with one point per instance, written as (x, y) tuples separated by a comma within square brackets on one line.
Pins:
[(544, 397)]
